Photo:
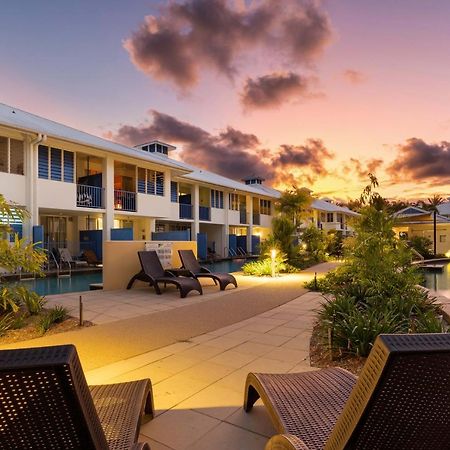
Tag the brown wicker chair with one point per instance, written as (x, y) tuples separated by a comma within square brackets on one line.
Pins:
[(45, 403), (153, 273), (401, 400), (195, 270)]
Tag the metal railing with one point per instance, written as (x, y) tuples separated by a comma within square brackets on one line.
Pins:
[(186, 211), (89, 196), (204, 212), (124, 200)]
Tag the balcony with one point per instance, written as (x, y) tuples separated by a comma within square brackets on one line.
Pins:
[(89, 196), (124, 200), (186, 211), (243, 216), (204, 213), (256, 219)]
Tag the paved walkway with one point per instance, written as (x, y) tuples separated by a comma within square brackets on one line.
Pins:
[(198, 384)]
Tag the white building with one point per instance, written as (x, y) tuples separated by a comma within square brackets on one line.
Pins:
[(81, 190)]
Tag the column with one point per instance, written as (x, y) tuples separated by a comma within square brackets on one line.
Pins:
[(108, 199), (195, 199), (226, 226), (30, 170), (249, 202)]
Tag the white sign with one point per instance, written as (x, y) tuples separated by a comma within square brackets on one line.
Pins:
[(164, 251)]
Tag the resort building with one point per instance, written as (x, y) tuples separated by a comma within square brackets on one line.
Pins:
[(328, 216), (81, 190), (414, 221)]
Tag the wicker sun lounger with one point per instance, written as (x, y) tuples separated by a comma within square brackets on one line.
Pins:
[(401, 400), (153, 272), (191, 264), (47, 404)]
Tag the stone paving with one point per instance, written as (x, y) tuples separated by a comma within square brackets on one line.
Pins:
[(198, 384)]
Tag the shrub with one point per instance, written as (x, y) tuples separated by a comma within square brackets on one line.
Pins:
[(422, 245), (8, 300), (32, 300), (264, 267), (6, 322), (55, 315)]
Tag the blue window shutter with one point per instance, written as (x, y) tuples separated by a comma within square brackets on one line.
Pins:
[(43, 162), (159, 188), (68, 167), (174, 191), (55, 164), (150, 182)]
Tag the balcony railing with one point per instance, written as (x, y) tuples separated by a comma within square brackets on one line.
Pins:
[(243, 216), (204, 212), (124, 200), (89, 196), (256, 219), (185, 211)]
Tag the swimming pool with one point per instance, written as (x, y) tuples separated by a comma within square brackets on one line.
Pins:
[(54, 285), (229, 265)]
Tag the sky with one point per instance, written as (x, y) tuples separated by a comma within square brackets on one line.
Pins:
[(304, 93)]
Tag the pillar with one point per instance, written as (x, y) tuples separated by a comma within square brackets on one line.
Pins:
[(108, 199), (195, 210)]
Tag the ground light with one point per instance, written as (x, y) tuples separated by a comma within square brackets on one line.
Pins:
[(273, 254)]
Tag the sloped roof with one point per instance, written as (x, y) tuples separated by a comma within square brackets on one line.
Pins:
[(408, 214), (25, 121), (444, 208), (323, 205)]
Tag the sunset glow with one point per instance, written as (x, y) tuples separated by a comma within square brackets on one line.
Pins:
[(311, 93)]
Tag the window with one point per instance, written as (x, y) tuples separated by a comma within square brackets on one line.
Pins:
[(216, 199), (330, 217), (443, 238), (265, 207), (173, 191), (150, 182), (11, 156), (56, 164), (158, 148), (234, 202)]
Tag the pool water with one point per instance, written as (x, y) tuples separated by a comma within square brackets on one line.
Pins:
[(54, 285), (232, 265), (438, 281)]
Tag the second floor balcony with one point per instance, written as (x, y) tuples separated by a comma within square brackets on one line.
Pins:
[(124, 200), (89, 196), (186, 211), (256, 219), (204, 213)]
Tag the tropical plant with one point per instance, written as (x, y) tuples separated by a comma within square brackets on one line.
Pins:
[(281, 239), (375, 290), (32, 300), (294, 203), (422, 245), (264, 266), (55, 315)]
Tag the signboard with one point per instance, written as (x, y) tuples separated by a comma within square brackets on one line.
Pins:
[(164, 251)]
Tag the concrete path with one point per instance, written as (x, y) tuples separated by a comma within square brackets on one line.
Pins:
[(198, 384), (180, 320)]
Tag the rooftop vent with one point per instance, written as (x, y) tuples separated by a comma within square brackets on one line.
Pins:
[(253, 180), (156, 147)]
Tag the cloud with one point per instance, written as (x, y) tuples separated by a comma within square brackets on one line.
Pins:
[(354, 76), (231, 152), (362, 168), (272, 90), (192, 36), (418, 161)]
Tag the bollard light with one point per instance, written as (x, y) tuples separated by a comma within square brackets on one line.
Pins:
[(273, 254)]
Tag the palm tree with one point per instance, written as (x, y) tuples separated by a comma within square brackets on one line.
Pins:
[(432, 205), (294, 202)]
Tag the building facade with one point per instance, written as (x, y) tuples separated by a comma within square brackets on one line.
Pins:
[(81, 190)]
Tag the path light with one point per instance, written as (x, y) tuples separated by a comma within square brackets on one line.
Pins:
[(273, 254)]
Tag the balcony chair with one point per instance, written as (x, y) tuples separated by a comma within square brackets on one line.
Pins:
[(190, 263), (153, 272), (47, 404), (400, 401)]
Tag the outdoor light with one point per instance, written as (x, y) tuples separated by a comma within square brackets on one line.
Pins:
[(273, 254)]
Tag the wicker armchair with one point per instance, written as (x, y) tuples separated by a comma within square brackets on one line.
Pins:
[(45, 403), (401, 400)]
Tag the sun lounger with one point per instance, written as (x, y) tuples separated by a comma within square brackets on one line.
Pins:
[(400, 401), (91, 258), (66, 256), (47, 404), (153, 272), (190, 263)]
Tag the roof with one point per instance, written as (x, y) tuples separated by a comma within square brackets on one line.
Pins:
[(444, 208), (410, 213), (25, 121), (323, 205)]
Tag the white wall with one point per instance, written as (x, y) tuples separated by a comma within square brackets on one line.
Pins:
[(154, 206), (56, 194), (13, 187), (217, 215)]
